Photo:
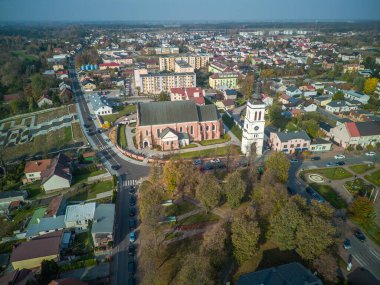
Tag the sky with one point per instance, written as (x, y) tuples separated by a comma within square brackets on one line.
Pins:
[(188, 10)]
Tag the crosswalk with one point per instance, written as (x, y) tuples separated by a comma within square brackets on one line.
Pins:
[(104, 147), (130, 182)]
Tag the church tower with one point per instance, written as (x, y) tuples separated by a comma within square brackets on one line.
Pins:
[(253, 129)]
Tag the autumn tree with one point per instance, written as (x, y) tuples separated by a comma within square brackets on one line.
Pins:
[(339, 95), (370, 85), (246, 85), (245, 234), (196, 269), (362, 210), (327, 266), (280, 165), (208, 192), (234, 189), (214, 244), (150, 197)]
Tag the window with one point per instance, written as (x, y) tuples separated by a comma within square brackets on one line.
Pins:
[(180, 129), (158, 132), (201, 128), (259, 116), (305, 144), (191, 130), (285, 146), (213, 127), (298, 145), (207, 128), (292, 146), (146, 133)]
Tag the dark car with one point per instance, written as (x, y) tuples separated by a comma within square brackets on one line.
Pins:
[(131, 250), (132, 190), (359, 235), (132, 212), (291, 190), (315, 158), (340, 163), (132, 201), (115, 167), (89, 118), (208, 166), (197, 162), (132, 225), (131, 267), (347, 244), (99, 131), (309, 190), (131, 281)]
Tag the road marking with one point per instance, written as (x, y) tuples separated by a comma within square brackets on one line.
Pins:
[(375, 253), (130, 182), (360, 261)]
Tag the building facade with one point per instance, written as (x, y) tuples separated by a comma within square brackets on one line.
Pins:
[(289, 142), (195, 94), (168, 125), (196, 61), (227, 80), (155, 83), (253, 129)]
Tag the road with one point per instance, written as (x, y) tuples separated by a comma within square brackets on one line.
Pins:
[(366, 254), (128, 173)]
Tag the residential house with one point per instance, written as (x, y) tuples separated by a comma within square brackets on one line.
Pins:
[(230, 94), (34, 168), (289, 142), (78, 216), (102, 227), (322, 100), (100, 105), (195, 94), (18, 277), (356, 133), (56, 206), (225, 105), (340, 106), (319, 145), (284, 98), (7, 197), (355, 95), (309, 106), (267, 100), (293, 91), (165, 123), (30, 254), (45, 226), (65, 95), (225, 80), (292, 274), (44, 101), (57, 175), (354, 67), (325, 128), (88, 85)]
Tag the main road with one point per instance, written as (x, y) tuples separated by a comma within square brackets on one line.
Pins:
[(128, 173)]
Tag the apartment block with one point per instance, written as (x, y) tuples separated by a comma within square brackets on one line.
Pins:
[(196, 61), (155, 83)]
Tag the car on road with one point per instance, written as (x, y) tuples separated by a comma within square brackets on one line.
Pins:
[(132, 224), (309, 190), (359, 235), (317, 197), (315, 158), (347, 244), (370, 153), (294, 160), (328, 164), (197, 162), (215, 161), (132, 236), (115, 167), (340, 163), (131, 267), (132, 190), (89, 118), (207, 166), (132, 201), (132, 212), (99, 131), (131, 250), (107, 139), (339, 156)]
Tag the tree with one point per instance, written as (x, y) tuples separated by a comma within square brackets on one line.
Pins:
[(280, 165), (338, 96), (171, 175), (234, 189), (163, 96), (246, 85), (245, 234), (208, 192), (276, 117), (362, 211), (327, 265), (370, 85), (214, 244), (196, 269), (49, 270), (150, 197)]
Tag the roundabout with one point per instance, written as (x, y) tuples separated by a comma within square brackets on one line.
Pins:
[(316, 178)]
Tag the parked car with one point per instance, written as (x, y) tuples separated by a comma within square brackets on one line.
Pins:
[(115, 167), (208, 166), (294, 160), (339, 156), (132, 212), (132, 236), (359, 235), (131, 267), (347, 244), (291, 190), (340, 163), (197, 162), (309, 190), (132, 190), (99, 131), (132, 201), (215, 161), (315, 158), (131, 281), (131, 250), (132, 224), (370, 153), (328, 164), (107, 139)]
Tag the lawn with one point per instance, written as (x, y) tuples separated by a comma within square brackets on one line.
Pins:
[(179, 209), (374, 177), (361, 168), (18, 221), (192, 145), (329, 194), (119, 112), (56, 113), (358, 187), (81, 175), (34, 189), (90, 191), (229, 122), (335, 173), (200, 219), (121, 139), (77, 131), (172, 235), (24, 55), (224, 139), (217, 151)]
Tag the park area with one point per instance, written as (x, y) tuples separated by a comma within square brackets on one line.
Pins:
[(119, 112), (358, 187), (330, 195), (374, 177), (335, 173)]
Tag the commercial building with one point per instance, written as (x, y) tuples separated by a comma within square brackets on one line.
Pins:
[(196, 61), (289, 142), (155, 83), (100, 105), (169, 125), (222, 81)]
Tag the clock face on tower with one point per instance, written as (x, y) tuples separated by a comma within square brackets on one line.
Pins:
[(256, 128)]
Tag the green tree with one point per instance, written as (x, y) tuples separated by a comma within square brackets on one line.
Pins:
[(362, 211), (208, 192), (163, 96), (339, 95), (234, 189), (245, 234), (214, 245), (150, 197), (49, 270), (275, 116), (195, 269), (370, 85), (280, 165)]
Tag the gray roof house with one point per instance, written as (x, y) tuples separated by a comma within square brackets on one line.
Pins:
[(102, 227), (100, 105), (45, 226), (7, 197), (288, 274), (78, 216)]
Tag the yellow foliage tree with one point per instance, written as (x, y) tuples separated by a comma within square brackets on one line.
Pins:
[(370, 85)]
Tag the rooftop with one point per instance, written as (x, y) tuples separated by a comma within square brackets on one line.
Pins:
[(103, 218), (37, 165), (287, 136), (80, 212)]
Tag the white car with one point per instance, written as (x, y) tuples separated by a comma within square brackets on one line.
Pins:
[(339, 156), (370, 153), (215, 161)]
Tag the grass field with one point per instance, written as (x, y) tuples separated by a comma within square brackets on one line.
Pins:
[(374, 177), (121, 139), (57, 113), (217, 151), (120, 113), (232, 126), (191, 145), (90, 191), (329, 194), (335, 173), (24, 55), (224, 139), (77, 131), (361, 168)]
